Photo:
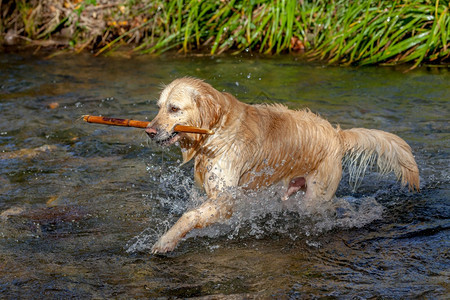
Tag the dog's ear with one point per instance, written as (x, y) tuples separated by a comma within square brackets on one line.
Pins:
[(209, 107)]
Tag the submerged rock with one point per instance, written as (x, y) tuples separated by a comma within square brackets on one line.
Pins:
[(28, 153), (12, 211)]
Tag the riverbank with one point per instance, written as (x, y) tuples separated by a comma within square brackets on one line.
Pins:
[(339, 31)]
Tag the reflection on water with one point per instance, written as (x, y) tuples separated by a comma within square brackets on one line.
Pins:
[(80, 204)]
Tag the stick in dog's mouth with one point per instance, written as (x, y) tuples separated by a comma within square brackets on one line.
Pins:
[(141, 124)]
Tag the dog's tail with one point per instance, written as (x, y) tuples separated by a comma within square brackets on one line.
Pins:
[(365, 147)]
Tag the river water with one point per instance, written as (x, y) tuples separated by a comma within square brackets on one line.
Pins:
[(81, 204)]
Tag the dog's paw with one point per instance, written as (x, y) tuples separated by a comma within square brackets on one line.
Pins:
[(164, 245)]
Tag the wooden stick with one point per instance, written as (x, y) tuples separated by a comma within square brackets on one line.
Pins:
[(141, 124), (115, 121), (192, 129)]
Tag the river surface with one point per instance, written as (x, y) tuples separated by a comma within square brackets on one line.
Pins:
[(81, 204)]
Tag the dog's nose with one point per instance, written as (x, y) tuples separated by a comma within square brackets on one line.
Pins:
[(151, 132)]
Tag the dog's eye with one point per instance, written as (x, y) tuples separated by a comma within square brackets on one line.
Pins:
[(174, 109)]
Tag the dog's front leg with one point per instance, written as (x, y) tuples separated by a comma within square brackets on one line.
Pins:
[(208, 213)]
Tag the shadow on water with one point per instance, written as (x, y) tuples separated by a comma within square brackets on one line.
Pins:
[(81, 204)]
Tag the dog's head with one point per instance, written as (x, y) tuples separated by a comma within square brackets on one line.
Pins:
[(185, 101)]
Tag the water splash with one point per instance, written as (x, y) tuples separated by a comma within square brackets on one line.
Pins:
[(261, 214), (257, 214)]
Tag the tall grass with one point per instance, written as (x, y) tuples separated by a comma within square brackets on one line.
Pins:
[(339, 31), (368, 32)]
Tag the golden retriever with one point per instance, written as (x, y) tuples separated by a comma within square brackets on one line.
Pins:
[(255, 146)]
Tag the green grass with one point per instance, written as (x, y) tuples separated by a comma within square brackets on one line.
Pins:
[(357, 32)]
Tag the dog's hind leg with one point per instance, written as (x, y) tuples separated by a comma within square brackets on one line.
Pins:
[(321, 185)]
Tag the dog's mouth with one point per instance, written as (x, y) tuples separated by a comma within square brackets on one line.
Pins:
[(169, 140)]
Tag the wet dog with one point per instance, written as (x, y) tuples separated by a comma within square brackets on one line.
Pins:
[(255, 146)]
